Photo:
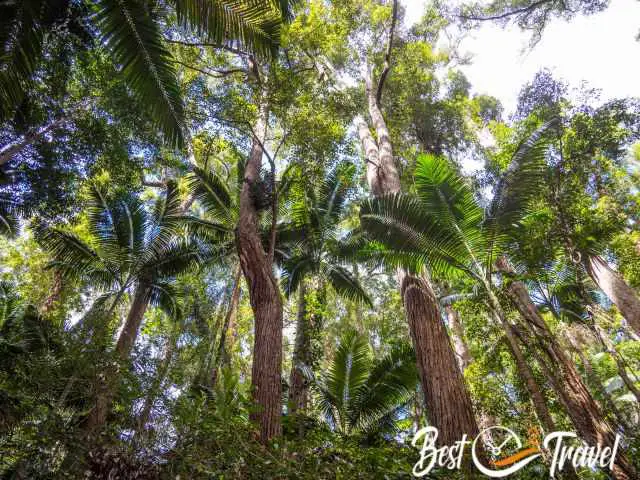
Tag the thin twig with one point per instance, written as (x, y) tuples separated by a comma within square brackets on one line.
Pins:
[(387, 57)]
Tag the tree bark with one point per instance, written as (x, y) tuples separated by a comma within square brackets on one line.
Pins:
[(447, 400), (107, 381), (9, 151), (297, 383), (129, 334), (222, 355), (264, 295), (457, 334), (613, 285), (583, 410)]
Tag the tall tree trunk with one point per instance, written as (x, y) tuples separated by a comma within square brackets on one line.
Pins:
[(56, 292), (297, 383), (457, 335), (583, 410), (613, 285), (222, 355), (107, 382), (447, 401), (129, 334), (526, 374), (264, 294)]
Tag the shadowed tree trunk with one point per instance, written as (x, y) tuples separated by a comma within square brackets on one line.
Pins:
[(222, 354), (264, 294), (583, 410), (447, 401), (457, 334), (297, 383), (106, 383), (613, 285)]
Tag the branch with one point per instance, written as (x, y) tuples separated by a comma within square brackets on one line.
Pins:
[(387, 57), (508, 14), (227, 48), (213, 73)]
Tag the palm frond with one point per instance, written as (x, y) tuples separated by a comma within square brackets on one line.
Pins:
[(133, 37), (22, 38), (294, 270), (166, 297), (391, 383), (345, 284), (212, 193), (518, 185), (349, 369), (167, 220), (72, 256), (403, 225), (255, 25)]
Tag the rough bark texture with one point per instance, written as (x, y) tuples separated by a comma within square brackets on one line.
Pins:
[(222, 355), (448, 404), (264, 296), (297, 383), (614, 286), (585, 413), (457, 335), (447, 401)]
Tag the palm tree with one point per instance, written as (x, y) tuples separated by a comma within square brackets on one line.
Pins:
[(220, 205), (131, 32), (136, 252), (361, 396), (309, 245), (443, 227)]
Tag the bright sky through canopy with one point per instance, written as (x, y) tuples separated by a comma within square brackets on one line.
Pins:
[(600, 49)]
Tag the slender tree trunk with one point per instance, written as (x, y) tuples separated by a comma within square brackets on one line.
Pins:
[(610, 348), (583, 410), (129, 334), (297, 383), (158, 381), (613, 285), (108, 380), (264, 295), (9, 151), (526, 374), (447, 400), (457, 335), (222, 355), (56, 292), (485, 420)]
